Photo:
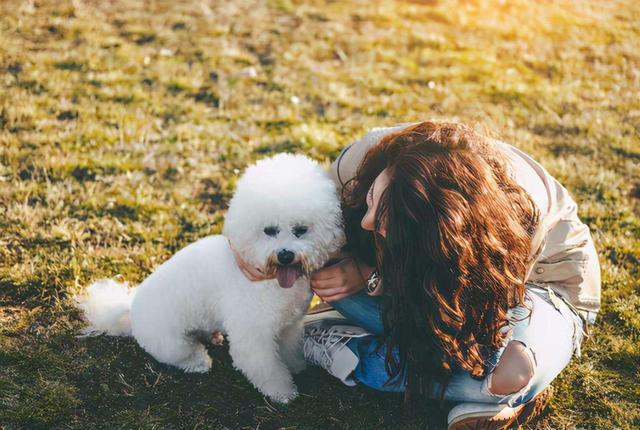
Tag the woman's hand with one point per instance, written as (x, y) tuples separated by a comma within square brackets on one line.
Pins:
[(253, 274), (341, 279)]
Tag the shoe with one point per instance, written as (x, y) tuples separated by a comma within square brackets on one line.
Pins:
[(486, 416), (329, 315), (325, 345)]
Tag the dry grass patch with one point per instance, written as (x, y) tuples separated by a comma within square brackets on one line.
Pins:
[(124, 124)]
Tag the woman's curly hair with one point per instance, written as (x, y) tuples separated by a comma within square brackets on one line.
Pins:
[(455, 253)]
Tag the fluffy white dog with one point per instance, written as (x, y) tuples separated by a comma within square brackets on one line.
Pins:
[(284, 219)]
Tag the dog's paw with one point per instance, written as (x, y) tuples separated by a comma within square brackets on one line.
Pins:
[(280, 391), (285, 398), (197, 363)]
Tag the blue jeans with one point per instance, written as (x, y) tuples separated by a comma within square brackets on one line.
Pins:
[(552, 333)]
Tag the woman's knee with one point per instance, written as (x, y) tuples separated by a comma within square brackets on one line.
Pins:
[(514, 370), (362, 310)]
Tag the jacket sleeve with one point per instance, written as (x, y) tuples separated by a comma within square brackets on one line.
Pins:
[(345, 167)]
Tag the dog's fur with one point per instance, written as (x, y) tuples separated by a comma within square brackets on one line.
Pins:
[(201, 289)]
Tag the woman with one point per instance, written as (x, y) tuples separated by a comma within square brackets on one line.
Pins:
[(468, 276)]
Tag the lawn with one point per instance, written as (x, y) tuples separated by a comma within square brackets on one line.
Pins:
[(123, 125)]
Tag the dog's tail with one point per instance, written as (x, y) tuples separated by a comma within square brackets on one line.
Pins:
[(105, 305)]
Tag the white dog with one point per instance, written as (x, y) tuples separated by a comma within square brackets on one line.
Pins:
[(284, 219)]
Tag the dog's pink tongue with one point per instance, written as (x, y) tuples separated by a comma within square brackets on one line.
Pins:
[(287, 275)]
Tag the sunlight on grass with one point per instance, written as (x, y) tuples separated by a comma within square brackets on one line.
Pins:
[(124, 125)]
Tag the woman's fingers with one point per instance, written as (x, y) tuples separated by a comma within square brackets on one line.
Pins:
[(251, 273), (247, 272), (255, 278), (338, 281), (329, 292), (321, 284), (336, 297), (250, 276), (255, 274), (324, 274)]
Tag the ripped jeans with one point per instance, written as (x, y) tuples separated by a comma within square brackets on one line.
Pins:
[(552, 333)]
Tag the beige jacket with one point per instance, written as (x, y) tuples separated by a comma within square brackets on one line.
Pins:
[(563, 254)]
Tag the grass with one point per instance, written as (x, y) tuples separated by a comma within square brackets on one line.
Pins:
[(124, 124)]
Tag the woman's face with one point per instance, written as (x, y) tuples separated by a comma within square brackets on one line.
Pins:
[(373, 200)]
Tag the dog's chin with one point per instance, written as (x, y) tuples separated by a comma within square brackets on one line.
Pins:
[(287, 275)]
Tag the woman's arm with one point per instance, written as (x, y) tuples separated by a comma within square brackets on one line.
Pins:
[(340, 280), (348, 277)]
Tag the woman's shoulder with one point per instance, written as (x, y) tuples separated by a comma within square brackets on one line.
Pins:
[(528, 173), (344, 168), (548, 193), (557, 208)]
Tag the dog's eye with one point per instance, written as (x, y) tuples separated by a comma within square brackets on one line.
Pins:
[(299, 230), (271, 231)]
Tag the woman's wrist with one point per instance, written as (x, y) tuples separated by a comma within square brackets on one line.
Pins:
[(370, 277), (365, 270), (373, 283)]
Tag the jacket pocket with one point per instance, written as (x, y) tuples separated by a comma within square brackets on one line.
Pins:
[(566, 271), (564, 257)]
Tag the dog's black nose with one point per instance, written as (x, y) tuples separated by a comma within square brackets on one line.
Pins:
[(285, 256)]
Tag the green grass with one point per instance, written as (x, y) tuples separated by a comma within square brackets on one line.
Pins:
[(124, 124)]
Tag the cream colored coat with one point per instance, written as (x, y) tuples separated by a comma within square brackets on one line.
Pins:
[(563, 254)]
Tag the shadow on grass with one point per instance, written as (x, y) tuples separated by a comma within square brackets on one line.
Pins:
[(65, 381)]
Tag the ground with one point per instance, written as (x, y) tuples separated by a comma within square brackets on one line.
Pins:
[(123, 125)]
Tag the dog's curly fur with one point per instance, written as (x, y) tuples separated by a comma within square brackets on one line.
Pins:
[(286, 202)]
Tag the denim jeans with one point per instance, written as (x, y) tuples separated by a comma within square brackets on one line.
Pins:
[(552, 333)]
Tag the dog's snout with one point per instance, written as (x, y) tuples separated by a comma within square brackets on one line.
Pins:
[(285, 256)]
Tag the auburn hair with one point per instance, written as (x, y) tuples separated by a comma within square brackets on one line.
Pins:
[(455, 253)]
